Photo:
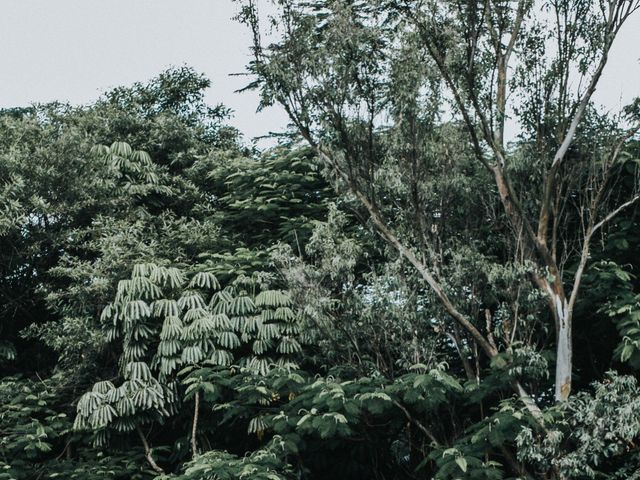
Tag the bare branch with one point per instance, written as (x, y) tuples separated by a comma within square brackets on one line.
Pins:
[(615, 213), (415, 421)]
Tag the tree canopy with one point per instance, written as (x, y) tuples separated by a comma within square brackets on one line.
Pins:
[(432, 274)]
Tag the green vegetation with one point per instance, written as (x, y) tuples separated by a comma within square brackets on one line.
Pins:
[(394, 291)]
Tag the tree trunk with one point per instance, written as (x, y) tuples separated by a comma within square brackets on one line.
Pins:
[(563, 350), (147, 451), (194, 428)]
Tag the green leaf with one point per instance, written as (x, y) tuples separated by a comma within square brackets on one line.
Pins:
[(462, 463)]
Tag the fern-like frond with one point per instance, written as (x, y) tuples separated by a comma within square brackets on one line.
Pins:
[(269, 331), (195, 314), (221, 357), (103, 387), (284, 313), (192, 354), (204, 280), (136, 309), (261, 346), (102, 416), (171, 328), (273, 298), (89, 402), (121, 149), (288, 345), (166, 308), (221, 321), (190, 299), (242, 305), (259, 365), (228, 340), (167, 348), (142, 287), (138, 371)]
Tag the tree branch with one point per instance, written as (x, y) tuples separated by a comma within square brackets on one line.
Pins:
[(613, 25), (615, 212), (413, 420), (147, 451)]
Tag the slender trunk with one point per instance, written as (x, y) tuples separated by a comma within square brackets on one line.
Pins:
[(563, 350), (147, 451), (558, 302), (194, 428)]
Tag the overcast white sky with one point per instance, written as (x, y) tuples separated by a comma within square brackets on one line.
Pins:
[(72, 50)]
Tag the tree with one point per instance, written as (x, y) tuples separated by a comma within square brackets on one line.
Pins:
[(66, 205), (391, 93), (168, 322), (76, 217), (204, 309), (148, 176)]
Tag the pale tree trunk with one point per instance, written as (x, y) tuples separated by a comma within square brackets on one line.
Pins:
[(563, 349)]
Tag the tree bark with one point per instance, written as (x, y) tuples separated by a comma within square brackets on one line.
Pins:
[(564, 348)]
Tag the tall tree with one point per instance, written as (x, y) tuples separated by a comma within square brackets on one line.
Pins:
[(383, 89)]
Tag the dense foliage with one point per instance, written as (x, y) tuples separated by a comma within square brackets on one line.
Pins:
[(362, 300)]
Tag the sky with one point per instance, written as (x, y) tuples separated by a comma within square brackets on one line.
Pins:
[(73, 50)]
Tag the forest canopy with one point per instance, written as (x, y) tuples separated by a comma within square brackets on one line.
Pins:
[(398, 288)]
